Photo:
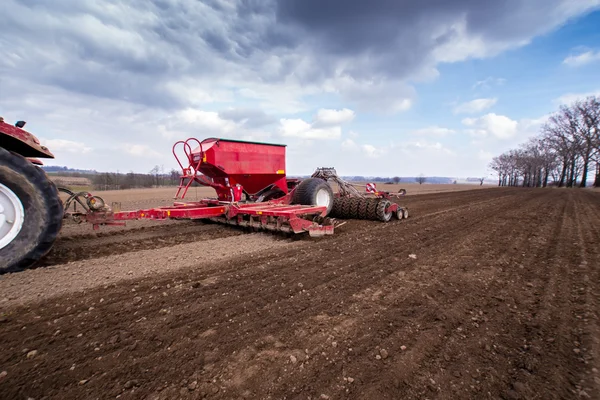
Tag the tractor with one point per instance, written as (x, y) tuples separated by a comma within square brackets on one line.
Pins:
[(249, 178)]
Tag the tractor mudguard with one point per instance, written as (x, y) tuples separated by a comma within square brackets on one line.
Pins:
[(18, 140)]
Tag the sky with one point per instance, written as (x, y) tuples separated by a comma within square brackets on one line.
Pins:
[(379, 88)]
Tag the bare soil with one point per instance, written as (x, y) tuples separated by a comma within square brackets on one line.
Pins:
[(480, 294)]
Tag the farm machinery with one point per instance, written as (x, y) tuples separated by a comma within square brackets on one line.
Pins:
[(249, 178)]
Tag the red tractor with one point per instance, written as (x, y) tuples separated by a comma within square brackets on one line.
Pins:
[(31, 211), (249, 179)]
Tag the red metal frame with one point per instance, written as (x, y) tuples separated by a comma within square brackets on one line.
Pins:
[(272, 216)]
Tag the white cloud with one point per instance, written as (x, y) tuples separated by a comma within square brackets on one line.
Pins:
[(197, 93), (182, 123), (570, 98), (429, 146), (475, 106), (485, 155), (349, 144), (463, 44), (326, 117), (141, 150), (498, 126), (394, 150), (372, 151), (326, 125), (582, 59), (488, 82), (373, 95), (65, 146), (302, 129), (433, 131)]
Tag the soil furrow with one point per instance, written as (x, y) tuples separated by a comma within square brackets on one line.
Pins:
[(489, 306)]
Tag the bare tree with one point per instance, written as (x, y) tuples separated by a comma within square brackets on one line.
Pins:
[(396, 179), (565, 151), (421, 179), (155, 173), (589, 132)]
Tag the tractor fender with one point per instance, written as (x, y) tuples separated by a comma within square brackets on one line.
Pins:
[(19, 141)]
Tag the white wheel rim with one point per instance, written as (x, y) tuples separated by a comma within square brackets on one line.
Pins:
[(323, 198), (12, 216)]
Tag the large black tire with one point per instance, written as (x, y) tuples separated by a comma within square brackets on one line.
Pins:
[(382, 215), (42, 212), (307, 190)]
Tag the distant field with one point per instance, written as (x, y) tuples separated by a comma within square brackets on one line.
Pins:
[(70, 180), (164, 195)]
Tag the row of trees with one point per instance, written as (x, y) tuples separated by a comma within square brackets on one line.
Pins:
[(565, 153), (115, 181)]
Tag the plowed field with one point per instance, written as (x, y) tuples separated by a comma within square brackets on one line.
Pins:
[(491, 293)]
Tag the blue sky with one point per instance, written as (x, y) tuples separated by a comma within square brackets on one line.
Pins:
[(398, 88)]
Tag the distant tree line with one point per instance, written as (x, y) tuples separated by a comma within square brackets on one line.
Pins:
[(565, 153), (156, 177)]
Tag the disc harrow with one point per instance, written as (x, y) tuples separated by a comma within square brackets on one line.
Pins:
[(350, 203), (374, 209)]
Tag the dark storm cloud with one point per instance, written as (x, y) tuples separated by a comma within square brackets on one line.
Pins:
[(398, 35), (134, 49)]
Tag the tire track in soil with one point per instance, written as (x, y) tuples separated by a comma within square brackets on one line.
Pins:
[(391, 339), (85, 280), (585, 294), (275, 279), (449, 234), (506, 348), (74, 247), (89, 246)]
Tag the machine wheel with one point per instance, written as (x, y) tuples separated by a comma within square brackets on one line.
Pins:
[(405, 213), (399, 213), (382, 215), (31, 213), (314, 192)]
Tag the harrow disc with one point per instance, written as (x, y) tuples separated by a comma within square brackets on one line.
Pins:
[(373, 209)]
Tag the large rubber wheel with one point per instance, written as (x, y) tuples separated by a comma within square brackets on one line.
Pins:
[(382, 214), (31, 213), (314, 192)]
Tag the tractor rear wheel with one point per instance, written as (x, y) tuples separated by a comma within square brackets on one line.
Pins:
[(31, 213), (314, 192)]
